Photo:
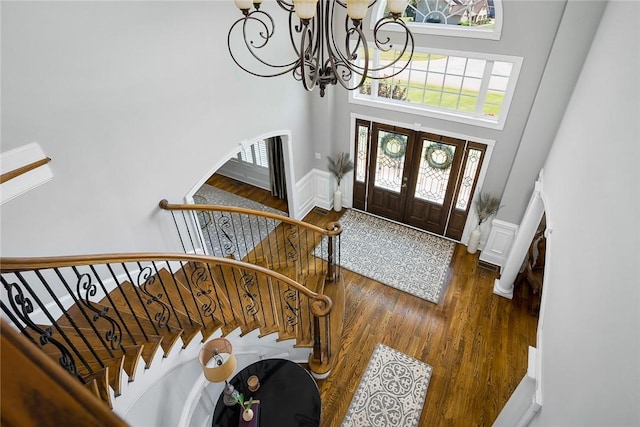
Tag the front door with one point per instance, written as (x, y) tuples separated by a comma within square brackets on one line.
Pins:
[(417, 178)]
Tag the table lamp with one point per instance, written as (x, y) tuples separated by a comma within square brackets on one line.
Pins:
[(218, 364)]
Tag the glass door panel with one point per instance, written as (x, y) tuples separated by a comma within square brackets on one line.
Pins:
[(390, 161), (434, 171)]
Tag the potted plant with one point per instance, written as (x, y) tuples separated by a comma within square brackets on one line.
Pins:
[(339, 166), (247, 412), (485, 206)]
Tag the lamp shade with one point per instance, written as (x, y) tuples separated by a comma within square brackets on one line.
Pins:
[(243, 4), (357, 9), (305, 9), (397, 6), (217, 360)]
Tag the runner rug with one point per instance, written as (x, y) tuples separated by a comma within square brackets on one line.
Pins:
[(391, 391), (407, 259)]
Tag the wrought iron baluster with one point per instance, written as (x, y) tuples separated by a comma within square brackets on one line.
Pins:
[(237, 288), (186, 226), (137, 292), (24, 331), (113, 305), (145, 281), (175, 221), (64, 336), (243, 255), (290, 300), (266, 223), (126, 300), (223, 225), (202, 225), (162, 283), (23, 308), (198, 279), (114, 333), (248, 282)]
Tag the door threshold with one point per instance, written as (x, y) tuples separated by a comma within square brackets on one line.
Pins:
[(407, 225)]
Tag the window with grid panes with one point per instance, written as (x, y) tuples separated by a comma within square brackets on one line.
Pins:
[(463, 86)]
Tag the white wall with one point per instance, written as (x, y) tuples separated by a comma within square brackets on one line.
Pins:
[(590, 342), (133, 102), (571, 43), (529, 31)]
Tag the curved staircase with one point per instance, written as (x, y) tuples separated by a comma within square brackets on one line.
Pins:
[(107, 318)]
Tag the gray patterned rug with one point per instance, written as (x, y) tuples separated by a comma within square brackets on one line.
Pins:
[(391, 391), (232, 234), (412, 261)]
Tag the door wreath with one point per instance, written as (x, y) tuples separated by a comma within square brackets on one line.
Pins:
[(439, 156), (393, 146)]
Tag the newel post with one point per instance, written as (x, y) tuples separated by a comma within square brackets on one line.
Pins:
[(321, 306), (333, 232)]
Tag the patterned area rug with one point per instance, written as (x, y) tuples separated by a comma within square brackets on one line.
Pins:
[(391, 391), (412, 261), (220, 231)]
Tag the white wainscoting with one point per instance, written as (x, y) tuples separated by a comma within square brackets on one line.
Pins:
[(314, 189), (498, 244)]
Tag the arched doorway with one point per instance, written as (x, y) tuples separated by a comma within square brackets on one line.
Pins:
[(254, 153)]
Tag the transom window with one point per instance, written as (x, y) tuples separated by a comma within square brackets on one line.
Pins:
[(461, 18), (463, 86)]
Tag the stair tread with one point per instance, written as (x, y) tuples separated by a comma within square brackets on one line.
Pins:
[(170, 336), (102, 381), (189, 304), (130, 343), (132, 300)]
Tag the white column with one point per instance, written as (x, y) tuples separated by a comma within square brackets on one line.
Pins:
[(527, 230)]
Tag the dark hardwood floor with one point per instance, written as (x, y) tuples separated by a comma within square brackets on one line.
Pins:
[(476, 341), (241, 189)]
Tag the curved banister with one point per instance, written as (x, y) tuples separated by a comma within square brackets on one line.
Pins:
[(321, 307), (164, 204), (304, 252)]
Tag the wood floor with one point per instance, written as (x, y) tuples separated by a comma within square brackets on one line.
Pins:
[(476, 341)]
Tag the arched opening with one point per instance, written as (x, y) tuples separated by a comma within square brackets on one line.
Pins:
[(246, 173)]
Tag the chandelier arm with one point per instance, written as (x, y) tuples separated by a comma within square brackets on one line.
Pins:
[(408, 43), (380, 44), (307, 60), (298, 28), (286, 5), (344, 70), (319, 61), (283, 68), (336, 55)]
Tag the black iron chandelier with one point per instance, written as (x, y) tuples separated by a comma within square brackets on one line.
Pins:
[(318, 59)]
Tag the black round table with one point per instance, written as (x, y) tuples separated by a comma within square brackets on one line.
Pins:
[(288, 395)]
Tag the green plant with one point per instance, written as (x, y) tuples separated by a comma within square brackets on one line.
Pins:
[(239, 399), (340, 165), (486, 205)]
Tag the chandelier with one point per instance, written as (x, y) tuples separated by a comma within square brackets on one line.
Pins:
[(318, 59)]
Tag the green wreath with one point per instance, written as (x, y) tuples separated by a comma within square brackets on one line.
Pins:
[(393, 146), (439, 156)]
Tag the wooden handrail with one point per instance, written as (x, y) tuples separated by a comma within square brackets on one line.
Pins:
[(27, 372), (332, 231), (22, 170), (321, 306)]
